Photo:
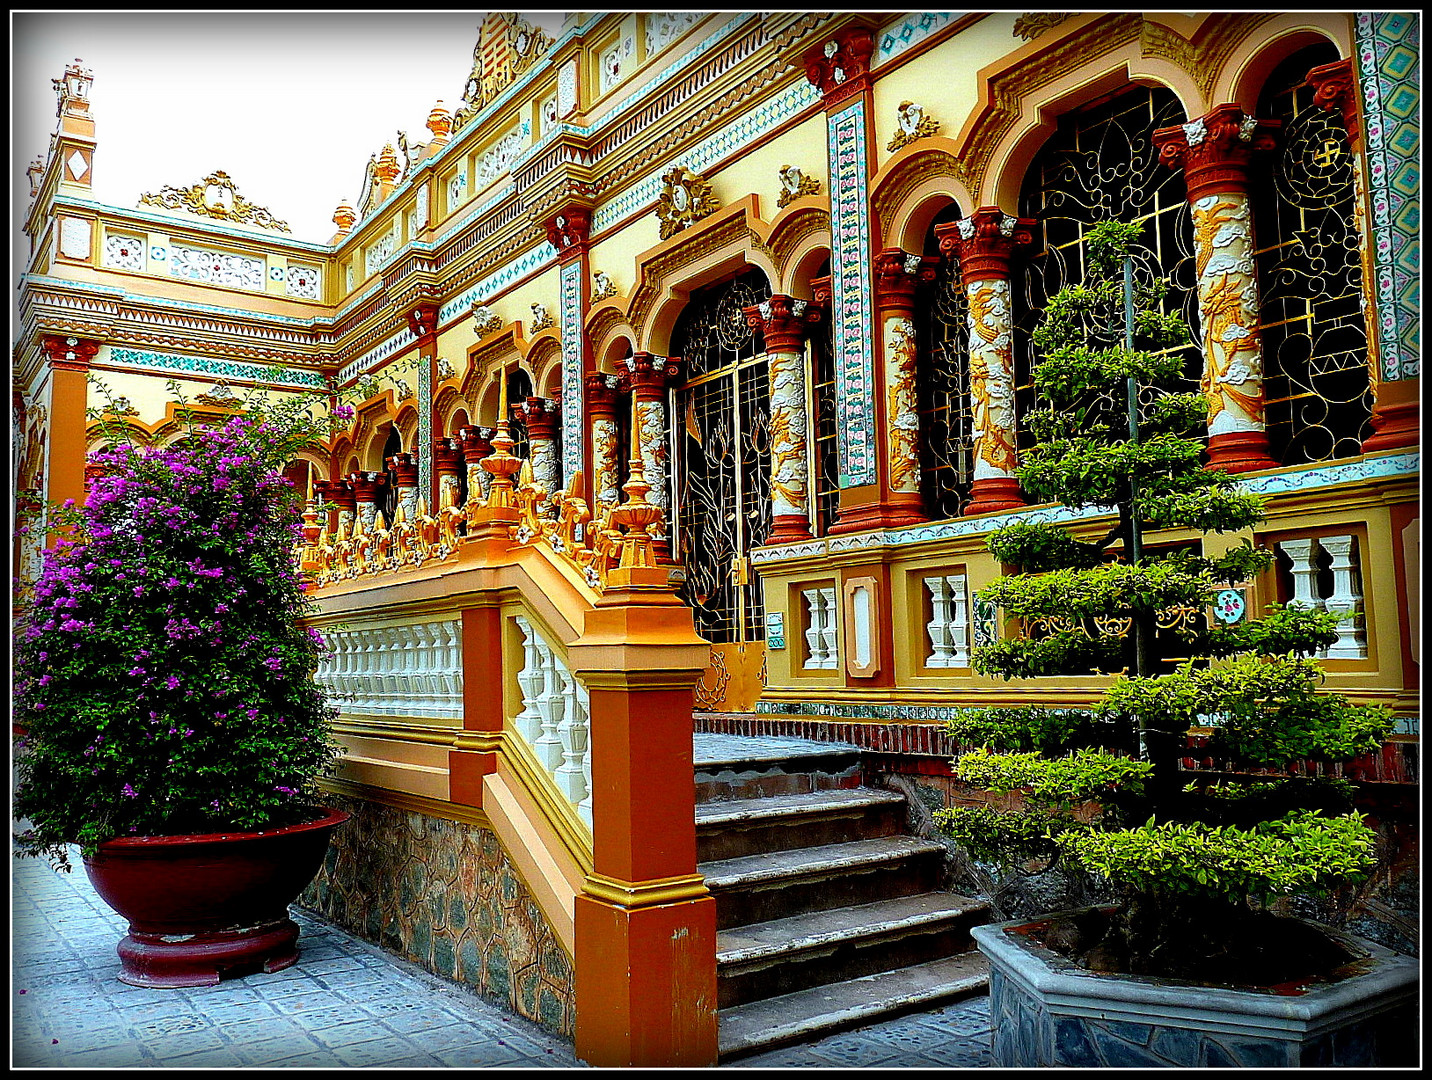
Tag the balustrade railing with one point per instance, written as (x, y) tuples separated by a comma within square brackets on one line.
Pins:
[(555, 719), (411, 669)]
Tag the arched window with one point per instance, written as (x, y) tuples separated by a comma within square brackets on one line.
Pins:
[(393, 444), (519, 389), (942, 383), (1101, 165), (721, 416), (1317, 384)]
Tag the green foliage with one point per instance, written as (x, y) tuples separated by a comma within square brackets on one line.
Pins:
[(1078, 777), (1029, 727), (1302, 851), (1102, 787)]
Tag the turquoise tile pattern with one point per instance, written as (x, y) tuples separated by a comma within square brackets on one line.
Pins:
[(1388, 48)]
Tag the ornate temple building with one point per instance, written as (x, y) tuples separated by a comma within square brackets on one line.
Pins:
[(690, 354)]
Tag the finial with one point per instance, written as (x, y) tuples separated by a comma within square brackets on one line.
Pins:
[(440, 121), (387, 169), (344, 216)]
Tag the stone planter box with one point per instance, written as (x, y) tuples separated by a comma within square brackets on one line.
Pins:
[(1046, 1011)]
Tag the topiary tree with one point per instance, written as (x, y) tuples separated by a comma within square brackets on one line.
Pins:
[(1101, 790)]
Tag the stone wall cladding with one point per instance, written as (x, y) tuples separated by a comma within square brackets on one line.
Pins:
[(443, 894)]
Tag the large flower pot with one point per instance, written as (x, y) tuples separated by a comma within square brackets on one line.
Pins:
[(1046, 1011), (203, 906)]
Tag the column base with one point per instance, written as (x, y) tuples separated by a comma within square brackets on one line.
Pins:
[(789, 529), (1239, 452), (994, 493), (1395, 423), (896, 512)]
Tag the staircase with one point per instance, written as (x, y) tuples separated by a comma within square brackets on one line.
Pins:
[(828, 915)]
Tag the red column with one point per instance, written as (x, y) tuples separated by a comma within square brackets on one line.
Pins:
[(985, 242), (423, 320), (1216, 153), (897, 275), (782, 321)]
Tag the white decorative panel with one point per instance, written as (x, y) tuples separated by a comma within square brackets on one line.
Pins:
[(217, 268), (418, 219), (124, 252), (348, 277), (567, 88), (74, 238), (457, 188), (495, 160), (550, 114), (380, 251), (302, 282), (1344, 597), (820, 635), (409, 670), (614, 64), (662, 28)]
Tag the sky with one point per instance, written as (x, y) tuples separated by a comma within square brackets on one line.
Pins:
[(289, 104)]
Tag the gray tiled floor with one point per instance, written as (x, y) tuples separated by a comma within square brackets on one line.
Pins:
[(346, 1004)]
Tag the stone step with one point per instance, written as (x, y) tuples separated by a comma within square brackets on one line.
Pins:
[(773, 885), (785, 955), (751, 767), (730, 829), (822, 1010)]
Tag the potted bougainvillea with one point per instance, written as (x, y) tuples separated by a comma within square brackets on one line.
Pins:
[(171, 725), (1189, 966)]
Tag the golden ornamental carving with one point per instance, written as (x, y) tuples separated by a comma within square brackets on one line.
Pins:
[(794, 184), (912, 124), (221, 395), (602, 286), (485, 321), (541, 318), (1033, 23), (215, 196), (685, 198)]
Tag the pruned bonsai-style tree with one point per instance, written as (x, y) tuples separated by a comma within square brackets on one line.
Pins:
[(1191, 857)]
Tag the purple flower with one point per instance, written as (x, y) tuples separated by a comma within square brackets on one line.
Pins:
[(128, 792)]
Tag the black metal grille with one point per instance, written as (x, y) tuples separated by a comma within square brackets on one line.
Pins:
[(942, 393)]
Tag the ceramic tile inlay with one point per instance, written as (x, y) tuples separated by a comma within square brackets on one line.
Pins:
[(571, 327), (851, 299), (1387, 47)]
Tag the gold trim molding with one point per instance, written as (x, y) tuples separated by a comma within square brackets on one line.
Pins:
[(216, 197)]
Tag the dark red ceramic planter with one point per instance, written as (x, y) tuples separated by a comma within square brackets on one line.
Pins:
[(200, 907)]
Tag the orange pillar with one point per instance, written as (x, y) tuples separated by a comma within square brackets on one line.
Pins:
[(475, 751), (645, 921), (69, 361)]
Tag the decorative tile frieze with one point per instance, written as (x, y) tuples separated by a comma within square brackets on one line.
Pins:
[(895, 37), (851, 300), (531, 262), (399, 341), (663, 27), (173, 363)]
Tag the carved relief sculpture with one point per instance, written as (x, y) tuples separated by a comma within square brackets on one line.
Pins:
[(794, 184), (541, 318), (912, 124), (685, 197), (484, 320), (602, 286), (214, 197)]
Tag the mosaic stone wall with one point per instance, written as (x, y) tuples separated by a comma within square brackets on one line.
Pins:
[(1387, 53), (444, 895)]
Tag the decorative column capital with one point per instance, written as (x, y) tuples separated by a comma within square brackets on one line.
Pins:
[(1335, 90), (600, 393), (569, 229), (985, 242), (1215, 150), (338, 492), (475, 443), (69, 353), (368, 486), (445, 455), (839, 65), (782, 321), (405, 468), (897, 273), (541, 416), (651, 374), (423, 320), (821, 291)]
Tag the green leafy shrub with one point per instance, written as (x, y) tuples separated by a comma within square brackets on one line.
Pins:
[(1101, 789)]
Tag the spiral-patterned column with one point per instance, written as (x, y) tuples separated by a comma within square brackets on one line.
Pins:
[(985, 242), (1215, 152), (601, 390)]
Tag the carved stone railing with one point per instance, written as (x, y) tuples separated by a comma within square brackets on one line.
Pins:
[(555, 720)]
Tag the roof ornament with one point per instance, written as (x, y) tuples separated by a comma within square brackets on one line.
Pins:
[(215, 196)]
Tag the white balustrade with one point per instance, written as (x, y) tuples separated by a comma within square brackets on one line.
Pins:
[(555, 718), (1344, 598), (411, 670), (949, 625), (822, 650)]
